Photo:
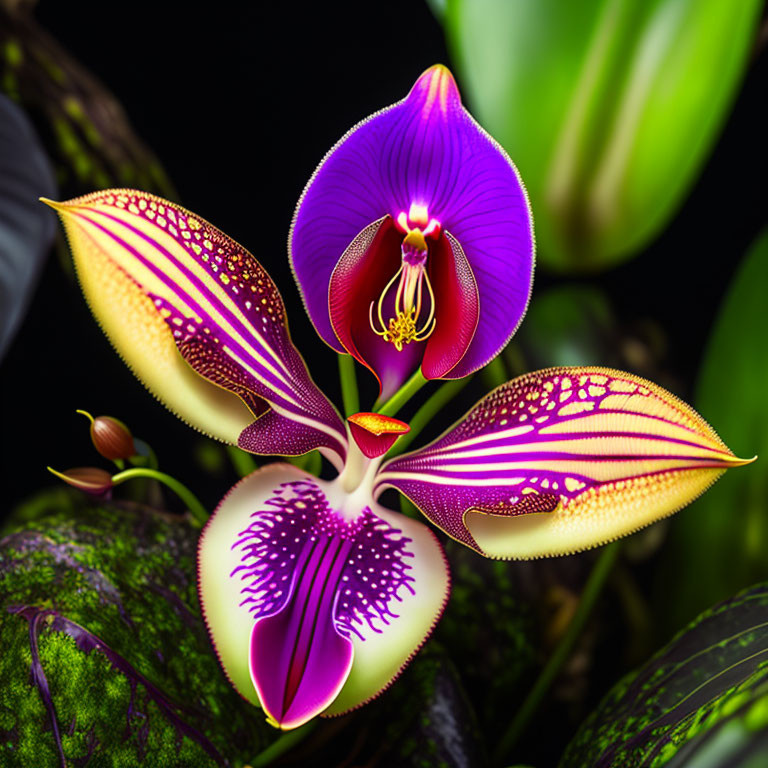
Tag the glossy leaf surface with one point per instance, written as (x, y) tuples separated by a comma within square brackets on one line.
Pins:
[(609, 107), (701, 701)]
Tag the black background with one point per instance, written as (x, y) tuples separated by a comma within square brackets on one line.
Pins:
[(240, 102)]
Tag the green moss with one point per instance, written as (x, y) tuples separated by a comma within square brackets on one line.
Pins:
[(126, 575)]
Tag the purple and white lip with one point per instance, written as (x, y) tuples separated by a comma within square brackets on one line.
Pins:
[(330, 595)]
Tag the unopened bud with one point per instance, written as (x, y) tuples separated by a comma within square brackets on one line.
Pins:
[(92, 480), (112, 439)]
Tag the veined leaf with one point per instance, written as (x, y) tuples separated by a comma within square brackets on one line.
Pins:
[(105, 659), (701, 702)]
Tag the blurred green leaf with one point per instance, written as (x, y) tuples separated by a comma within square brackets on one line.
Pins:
[(701, 702), (719, 544), (569, 325), (608, 107)]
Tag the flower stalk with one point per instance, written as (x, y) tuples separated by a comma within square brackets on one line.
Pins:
[(597, 578), (349, 394), (197, 510), (402, 396), (439, 399)]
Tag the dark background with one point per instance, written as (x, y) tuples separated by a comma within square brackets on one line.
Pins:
[(240, 102)]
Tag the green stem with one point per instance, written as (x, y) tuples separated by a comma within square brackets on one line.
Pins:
[(403, 395), (310, 462), (515, 360), (408, 508), (349, 393), (283, 744), (199, 513), (495, 373), (443, 395), (589, 596), (243, 462)]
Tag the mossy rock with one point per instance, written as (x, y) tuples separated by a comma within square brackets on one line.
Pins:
[(106, 660)]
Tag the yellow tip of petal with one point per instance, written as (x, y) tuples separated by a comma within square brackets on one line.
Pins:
[(439, 87), (737, 462), (52, 203), (378, 424)]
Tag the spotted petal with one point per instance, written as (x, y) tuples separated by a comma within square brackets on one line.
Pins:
[(315, 600), (424, 151), (561, 460), (199, 321)]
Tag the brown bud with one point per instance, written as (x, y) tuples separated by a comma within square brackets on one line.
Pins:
[(112, 439), (89, 479)]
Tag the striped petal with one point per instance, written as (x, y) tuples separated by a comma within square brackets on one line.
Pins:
[(315, 601), (199, 321), (561, 460)]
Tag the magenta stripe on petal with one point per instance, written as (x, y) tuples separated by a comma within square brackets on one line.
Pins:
[(298, 579), (425, 151), (311, 581), (224, 314), (603, 450), (299, 661)]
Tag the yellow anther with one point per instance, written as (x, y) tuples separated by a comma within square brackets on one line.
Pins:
[(416, 239), (401, 329)]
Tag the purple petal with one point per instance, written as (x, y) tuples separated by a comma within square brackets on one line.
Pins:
[(299, 660), (561, 460), (315, 601), (426, 151), (157, 276)]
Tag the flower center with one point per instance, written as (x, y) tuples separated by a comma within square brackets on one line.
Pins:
[(407, 325)]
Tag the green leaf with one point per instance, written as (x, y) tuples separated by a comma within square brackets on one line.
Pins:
[(87, 135), (608, 107), (719, 544), (569, 325), (105, 658), (701, 702)]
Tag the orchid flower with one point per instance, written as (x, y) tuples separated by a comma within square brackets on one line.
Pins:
[(315, 595), (412, 243)]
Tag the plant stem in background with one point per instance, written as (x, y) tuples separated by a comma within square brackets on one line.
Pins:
[(198, 511), (441, 397), (283, 744), (349, 393), (592, 589), (243, 462), (402, 396), (495, 373), (408, 508)]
